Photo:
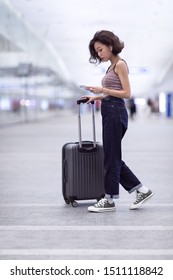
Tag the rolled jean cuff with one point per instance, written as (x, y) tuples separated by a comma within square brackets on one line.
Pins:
[(135, 188), (116, 196)]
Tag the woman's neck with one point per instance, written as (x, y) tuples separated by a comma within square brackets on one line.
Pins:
[(114, 60)]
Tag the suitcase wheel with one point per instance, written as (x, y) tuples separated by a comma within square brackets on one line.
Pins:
[(67, 201), (71, 201), (74, 203)]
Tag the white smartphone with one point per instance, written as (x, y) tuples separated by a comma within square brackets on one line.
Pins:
[(82, 86)]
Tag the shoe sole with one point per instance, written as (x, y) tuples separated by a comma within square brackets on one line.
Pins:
[(102, 210), (141, 203)]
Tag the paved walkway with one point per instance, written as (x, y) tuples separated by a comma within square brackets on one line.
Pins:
[(35, 222)]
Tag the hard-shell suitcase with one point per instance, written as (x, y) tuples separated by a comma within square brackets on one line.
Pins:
[(82, 167)]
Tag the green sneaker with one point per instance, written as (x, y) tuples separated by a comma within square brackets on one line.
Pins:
[(140, 199), (102, 206)]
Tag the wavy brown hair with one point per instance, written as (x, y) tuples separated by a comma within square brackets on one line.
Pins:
[(107, 38)]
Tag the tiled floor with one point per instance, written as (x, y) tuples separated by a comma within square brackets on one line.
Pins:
[(35, 222)]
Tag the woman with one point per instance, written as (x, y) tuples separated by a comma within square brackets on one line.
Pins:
[(106, 46)]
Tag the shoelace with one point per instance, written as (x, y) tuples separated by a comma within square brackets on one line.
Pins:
[(102, 202), (138, 196)]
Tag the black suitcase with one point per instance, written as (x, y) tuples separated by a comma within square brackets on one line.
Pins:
[(82, 167)]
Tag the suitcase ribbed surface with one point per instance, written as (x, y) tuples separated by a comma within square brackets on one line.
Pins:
[(84, 173)]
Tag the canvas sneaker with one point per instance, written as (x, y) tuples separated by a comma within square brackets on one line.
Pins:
[(102, 205), (140, 199)]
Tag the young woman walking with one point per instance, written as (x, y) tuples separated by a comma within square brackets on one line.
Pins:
[(106, 46)]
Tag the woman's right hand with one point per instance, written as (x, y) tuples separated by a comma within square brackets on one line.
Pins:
[(91, 98)]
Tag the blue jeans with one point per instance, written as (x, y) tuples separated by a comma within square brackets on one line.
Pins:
[(115, 122)]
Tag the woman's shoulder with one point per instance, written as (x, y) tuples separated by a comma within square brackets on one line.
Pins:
[(121, 61), (122, 64)]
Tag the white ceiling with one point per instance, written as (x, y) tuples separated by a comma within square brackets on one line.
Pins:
[(146, 27)]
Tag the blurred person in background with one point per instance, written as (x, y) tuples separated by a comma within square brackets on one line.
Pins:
[(132, 107)]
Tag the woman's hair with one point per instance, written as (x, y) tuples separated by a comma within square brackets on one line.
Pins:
[(107, 38)]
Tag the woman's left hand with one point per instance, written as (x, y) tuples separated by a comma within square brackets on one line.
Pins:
[(93, 89)]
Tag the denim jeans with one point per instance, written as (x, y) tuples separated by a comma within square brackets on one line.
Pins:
[(115, 122)]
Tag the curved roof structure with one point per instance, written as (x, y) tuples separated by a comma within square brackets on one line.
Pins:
[(25, 46), (146, 28)]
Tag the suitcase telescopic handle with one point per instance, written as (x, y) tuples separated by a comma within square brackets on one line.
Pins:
[(84, 100)]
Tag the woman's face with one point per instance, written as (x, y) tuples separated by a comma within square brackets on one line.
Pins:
[(103, 51)]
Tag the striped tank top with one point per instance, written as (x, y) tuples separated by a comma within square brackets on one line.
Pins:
[(111, 81)]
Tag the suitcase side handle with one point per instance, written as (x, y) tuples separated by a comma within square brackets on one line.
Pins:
[(65, 175), (87, 147)]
